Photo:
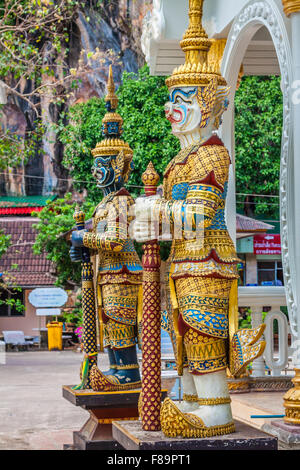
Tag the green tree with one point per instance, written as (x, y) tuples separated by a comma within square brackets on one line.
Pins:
[(7, 281), (141, 105), (55, 220), (258, 129), (36, 67), (79, 137), (4, 243)]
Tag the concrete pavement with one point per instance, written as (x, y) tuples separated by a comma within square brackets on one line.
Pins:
[(35, 416)]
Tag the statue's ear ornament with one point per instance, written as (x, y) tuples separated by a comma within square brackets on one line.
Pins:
[(206, 98), (221, 105), (119, 166)]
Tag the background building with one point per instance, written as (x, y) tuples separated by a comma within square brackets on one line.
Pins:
[(20, 265)]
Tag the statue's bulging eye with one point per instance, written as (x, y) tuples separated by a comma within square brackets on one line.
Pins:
[(178, 100)]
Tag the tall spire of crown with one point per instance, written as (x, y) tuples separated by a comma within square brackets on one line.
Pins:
[(112, 123), (111, 98), (197, 69)]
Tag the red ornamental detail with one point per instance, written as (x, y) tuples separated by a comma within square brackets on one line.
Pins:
[(151, 338), (151, 385), (19, 210)]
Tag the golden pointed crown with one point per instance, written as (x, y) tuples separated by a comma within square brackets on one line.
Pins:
[(112, 144), (199, 67)]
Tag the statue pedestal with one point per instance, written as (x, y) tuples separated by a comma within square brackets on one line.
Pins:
[(287, 434), (103, 407), (130, 435)]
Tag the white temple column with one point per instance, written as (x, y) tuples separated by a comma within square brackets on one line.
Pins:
[(295, 19), (292, 397), (258, 366)]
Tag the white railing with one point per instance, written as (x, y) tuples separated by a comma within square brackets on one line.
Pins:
[(256, 298)]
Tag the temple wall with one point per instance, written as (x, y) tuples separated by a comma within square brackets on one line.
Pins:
[(24, 323)]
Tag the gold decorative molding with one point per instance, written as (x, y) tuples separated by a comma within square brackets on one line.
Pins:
[(292, 401), (79, 215), (111, 147), (150, 179), (215, 54), (174, 423), (290, 6), (198, 69)]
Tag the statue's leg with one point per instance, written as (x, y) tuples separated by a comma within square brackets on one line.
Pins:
[(127, 365), (189, 399), (120, 336), (122, 340), (113, 369), (203, 306), (206, 364), (213, 390)]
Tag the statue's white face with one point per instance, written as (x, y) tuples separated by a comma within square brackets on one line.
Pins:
[(183, 111)]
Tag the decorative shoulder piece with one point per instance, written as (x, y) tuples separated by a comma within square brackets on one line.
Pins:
[(206, 98), (245, 347)]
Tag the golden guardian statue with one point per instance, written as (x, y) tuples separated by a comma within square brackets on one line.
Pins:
[(201, 317), (119, 270)]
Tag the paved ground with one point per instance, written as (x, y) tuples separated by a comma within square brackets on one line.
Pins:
[(34, 415)]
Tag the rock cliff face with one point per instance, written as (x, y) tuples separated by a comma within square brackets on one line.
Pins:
[(114, 27)]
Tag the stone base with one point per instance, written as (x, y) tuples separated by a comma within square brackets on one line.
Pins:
[(260, 384), (271, 384), (131, 436), (103, 408), (287, 434)]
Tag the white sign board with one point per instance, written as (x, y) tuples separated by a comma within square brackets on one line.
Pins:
[(48, 297), (48, 312)]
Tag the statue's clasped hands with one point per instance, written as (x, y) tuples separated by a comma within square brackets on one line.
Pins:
[(146, 224)]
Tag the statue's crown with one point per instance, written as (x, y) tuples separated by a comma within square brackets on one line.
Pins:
[(112, 144), (200, 66)]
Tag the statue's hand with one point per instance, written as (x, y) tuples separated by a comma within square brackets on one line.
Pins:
[(77, 237), (142, 232), (76, 254), (146, 223), (144, 207)]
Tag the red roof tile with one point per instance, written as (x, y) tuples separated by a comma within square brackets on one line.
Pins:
[(247, 224), (31, 270)]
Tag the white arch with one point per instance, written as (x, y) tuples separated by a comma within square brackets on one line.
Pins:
[(253, 16)]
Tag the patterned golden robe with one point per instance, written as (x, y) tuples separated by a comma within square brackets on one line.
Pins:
[(203, 260), (119, 269)]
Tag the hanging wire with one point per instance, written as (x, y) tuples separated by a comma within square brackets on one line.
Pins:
[(134, 186), (71, 180), (256, 195)]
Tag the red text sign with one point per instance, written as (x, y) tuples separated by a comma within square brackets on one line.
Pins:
[(267, 245)]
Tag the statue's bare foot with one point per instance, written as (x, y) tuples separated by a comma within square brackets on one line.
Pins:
[(216, 415)]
